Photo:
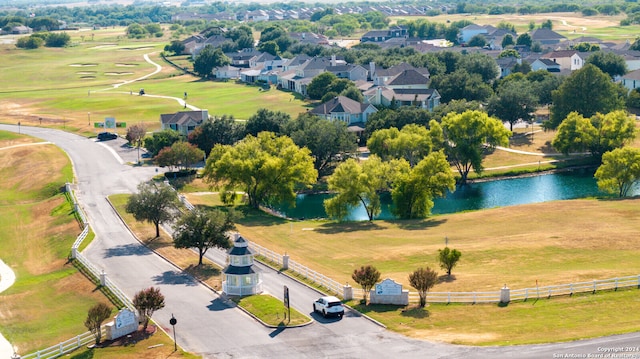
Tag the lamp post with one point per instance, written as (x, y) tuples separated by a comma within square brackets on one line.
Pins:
[(89, 118), (173, 321)]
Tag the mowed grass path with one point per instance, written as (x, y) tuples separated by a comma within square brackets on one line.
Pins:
[(71, 88)]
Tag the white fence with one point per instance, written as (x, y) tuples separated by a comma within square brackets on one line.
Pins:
[(86, 338), (65, 347)]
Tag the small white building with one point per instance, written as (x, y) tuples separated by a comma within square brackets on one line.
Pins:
[(241, 278)]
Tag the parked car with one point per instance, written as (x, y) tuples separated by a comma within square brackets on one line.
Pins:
[(329, 306), (106, 136)]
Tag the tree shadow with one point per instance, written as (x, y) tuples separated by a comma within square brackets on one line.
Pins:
[(521, 139), (203, 271), (255, 217), (419, 224), (342, 227), (132, 249), (377, 308), (446, 278), (547, 148), (175, 277), (415, 312)]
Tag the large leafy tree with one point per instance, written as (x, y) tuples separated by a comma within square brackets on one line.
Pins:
[(586, 91), (223, 130), (160, 140), (610, 63), (468, 137), (154, 203), (147, 301), (414, 190), (267, 120), (181, 155), (412, 143), (202, 230), (367, 276), (208, 59), (268, 168), (96, 315), (423, 279), (397, 118), (514, 102), (461, 85), (620, 171), (543, 83), (329, 141), (598, 134), (319, 85), (360, 183)]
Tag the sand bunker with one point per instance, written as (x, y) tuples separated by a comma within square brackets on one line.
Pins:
[(86, 72), (83, 65), (126, 65), (103, 46), (137, 48), (118, 73)]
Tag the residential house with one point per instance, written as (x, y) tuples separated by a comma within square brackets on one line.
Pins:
[(402, 85), (349, 71), (227, 72), (184, 122), (384, 35), (381, 77), (469, 31), (546, 37), (506, 65), (214, 41), (567, 59), (299, 77), (631, 80), (341, 108), (21, 29), (309, 38), (545, 64)]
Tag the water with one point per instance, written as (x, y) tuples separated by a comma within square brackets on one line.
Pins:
[(475, 196)]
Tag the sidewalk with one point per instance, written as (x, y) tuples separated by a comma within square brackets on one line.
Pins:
[(7, 278)]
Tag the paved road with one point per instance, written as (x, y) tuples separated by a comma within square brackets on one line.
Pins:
[(213, 329)]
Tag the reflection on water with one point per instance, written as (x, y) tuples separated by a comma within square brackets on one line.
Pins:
[(475, 196)]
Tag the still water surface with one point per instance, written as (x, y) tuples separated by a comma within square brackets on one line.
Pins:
[(475, 196)]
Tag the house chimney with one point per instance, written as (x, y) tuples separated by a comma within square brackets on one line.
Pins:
[(372, 70), (378, 96), (333, 60)]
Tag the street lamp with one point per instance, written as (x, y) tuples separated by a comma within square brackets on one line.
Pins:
[(89, 118), (173, 321)]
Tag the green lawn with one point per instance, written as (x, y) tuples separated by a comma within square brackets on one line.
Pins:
[(271, 310)]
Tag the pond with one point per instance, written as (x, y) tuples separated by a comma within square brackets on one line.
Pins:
[(481, 195)]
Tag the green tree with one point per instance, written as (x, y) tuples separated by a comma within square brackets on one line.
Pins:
[(353, 93), (202, 230), (598, 134), (414, 190), (267, 120), (329, 141), (154, 203), (514, 101), (147, 301), (360, 183), (423, 279), (57, 39), (96, 315), (477, 41), (507, 40), (412, 143), (208, 59), (524, 39), (448, 259), (319, 85), (509, 53), (136, 31), (223, 130), (270, 47), (176, 46), (570, 96), (543, 83), (468, 136), (610, 63), (160, 140), (547, 24), (619, 171), (367, 276), (29, 42), (461, 85), (266, 167)]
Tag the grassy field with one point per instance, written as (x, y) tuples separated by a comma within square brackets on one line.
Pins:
[(76, 88), (271, 310)]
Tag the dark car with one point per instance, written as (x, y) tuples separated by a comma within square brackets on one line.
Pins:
[(106, 136)]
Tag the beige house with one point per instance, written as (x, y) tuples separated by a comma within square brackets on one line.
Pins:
[(184, 122)]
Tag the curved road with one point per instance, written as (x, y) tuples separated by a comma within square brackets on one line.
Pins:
[(209, 326)]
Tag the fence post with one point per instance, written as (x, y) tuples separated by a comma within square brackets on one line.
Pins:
[(103, 278), (570, 288), (285, 261), (526, 293), (594, 287), (74, 252), (616, 284), (449, 298), (474, 297), (347, 292), (505, 294)]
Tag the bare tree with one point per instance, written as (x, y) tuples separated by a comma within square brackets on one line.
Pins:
[(96, 315), (135, 136), (147, 301), (423, 279)]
